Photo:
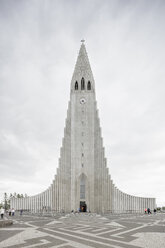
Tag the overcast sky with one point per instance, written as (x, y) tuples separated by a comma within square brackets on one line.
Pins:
[(39, 44)]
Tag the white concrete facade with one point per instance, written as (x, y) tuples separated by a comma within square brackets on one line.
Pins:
[(82, 175)]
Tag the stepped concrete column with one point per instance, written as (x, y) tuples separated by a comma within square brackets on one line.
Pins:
[(123, 208), (29, 206), (138, 204), (30, 199), (115, 199), (125, 205), (112, 196), (119, 200), (141, 205), (52, 193), (119, 192), (108, 193), (33, 201), (131, 200), (58, 193), (48, 205), (37, 203), (29, 203), (51, 197), (36, 199), (25, 203), (129, 203), (133, 204), (55, 196), (46, 199), (17, 204)]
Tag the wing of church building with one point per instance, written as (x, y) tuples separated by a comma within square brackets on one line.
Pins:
[(83, 181)]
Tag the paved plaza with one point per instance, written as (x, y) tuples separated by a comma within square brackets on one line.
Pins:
[(85, 230)]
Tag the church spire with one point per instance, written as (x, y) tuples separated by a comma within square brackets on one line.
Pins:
[(82, 70)]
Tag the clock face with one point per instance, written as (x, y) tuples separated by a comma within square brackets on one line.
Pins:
[(82, 100)]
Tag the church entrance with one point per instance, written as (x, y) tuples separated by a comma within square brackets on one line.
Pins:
[(83, 206)]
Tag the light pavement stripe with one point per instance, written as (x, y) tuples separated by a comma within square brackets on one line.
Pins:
[(89, 240)]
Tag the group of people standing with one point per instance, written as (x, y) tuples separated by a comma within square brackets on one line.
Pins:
[(147, 210), (11, 212)]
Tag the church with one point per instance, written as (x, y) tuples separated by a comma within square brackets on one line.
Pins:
[(83, 182)]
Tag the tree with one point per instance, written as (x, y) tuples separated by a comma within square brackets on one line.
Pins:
[(5, 201)]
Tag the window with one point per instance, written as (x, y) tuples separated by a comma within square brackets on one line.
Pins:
[(82, 187), (89, 85), (82, 84), (76, 85)]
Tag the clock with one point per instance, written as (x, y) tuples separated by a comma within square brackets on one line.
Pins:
[(82, 100)]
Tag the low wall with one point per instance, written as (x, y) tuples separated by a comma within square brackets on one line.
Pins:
[(4, 223)]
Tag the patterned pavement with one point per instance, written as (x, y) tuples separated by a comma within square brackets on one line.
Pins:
[(84, 230)]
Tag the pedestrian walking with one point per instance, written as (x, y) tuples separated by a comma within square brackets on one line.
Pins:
[(2, 211), (12, 212), (148, 210)]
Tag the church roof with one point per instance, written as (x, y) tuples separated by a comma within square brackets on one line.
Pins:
[(82, 67)]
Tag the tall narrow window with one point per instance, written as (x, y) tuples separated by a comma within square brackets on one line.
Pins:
[(76, 86), (89, 85), (82, 187), (82, 84)]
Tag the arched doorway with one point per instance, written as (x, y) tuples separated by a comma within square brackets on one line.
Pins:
[(83, 206)]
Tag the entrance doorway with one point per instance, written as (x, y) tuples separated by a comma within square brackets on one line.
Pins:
[(83, 206)]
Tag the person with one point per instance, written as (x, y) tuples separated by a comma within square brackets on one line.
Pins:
[(12, 211), (154, 210), (21, 211), (2, 211), (149, 211), (145, 210)]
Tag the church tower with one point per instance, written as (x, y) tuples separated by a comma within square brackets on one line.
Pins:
[(82, 143), (83, 180), (84, 129)]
